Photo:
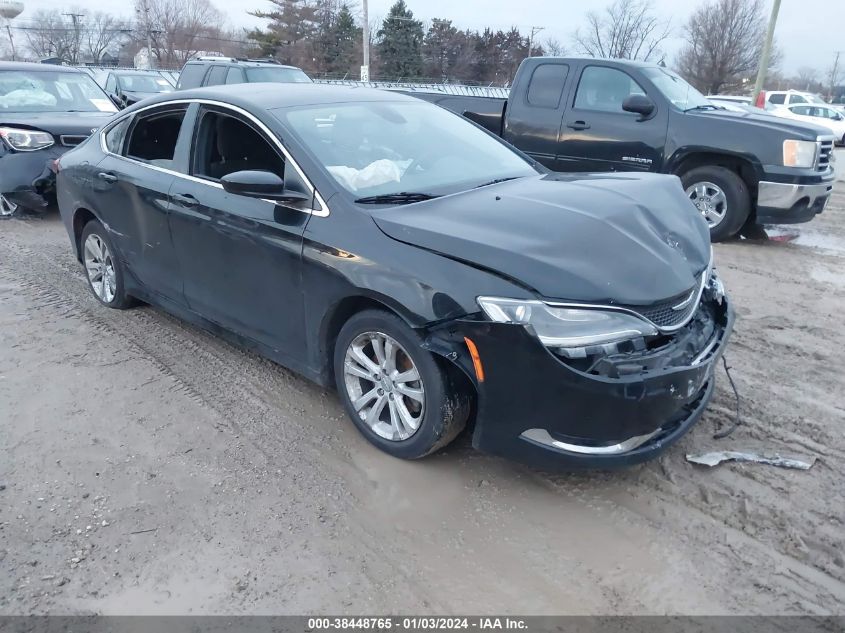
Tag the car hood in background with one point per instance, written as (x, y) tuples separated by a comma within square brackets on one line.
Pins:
[(631, 239), (57, 123), (135, 97)]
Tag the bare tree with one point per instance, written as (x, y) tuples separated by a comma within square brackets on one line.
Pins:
[(626, 29), (554, 48), (51, 34), (102, 33), (179, 29), (724, 40)]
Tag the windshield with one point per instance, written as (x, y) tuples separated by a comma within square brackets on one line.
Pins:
[(676, 89), (51, 91), (277, 75), (144, 83), (384, 148)]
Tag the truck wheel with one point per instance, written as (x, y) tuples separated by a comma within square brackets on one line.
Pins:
[(399, 396), (721, 197)]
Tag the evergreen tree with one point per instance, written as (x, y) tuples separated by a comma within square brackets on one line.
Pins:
[(400, 41), (345, 37), (293, 25)]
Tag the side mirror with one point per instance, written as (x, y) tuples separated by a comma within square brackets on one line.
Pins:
[(639, 104), (261, 184), (117, 101)]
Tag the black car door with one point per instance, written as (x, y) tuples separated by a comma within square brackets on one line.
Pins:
[(597, 135), (240, 255), (131, 188), (534, 117)]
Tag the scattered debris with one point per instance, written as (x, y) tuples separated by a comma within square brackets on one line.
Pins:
[(144, 531), (717, 457)]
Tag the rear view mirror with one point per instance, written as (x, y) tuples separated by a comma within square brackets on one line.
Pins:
[(638, 104), (261, 184)]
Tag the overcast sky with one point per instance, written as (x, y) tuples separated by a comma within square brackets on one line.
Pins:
[(809, 31)]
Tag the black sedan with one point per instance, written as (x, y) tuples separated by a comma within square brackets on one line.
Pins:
[(44, 111), (128, 87), (433, 274)]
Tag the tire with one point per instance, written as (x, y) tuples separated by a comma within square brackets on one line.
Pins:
[(8, 209), (103, 263), (713, 189), (440, 410)]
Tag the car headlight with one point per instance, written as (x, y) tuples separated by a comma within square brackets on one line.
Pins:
[(567, 327), (800, 153), (26, 140)]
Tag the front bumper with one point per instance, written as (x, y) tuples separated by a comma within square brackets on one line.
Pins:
[(789, 203), (535, 408), (26, 178)]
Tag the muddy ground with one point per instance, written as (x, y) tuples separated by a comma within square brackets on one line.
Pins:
[(148, 467)]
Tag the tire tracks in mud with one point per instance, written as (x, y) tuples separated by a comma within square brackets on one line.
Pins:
[(281, 414)]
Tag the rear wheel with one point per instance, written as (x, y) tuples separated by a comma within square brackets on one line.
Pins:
[(7, 207), (399, 396), (721, 196), (103, 268)]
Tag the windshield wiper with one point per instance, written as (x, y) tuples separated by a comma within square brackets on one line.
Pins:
[(496, 181), (401, 197), (706, 106)]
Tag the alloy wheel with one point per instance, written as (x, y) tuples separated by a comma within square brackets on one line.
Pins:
[(7, 207), (384, 385), (100, 268), (710, 200)]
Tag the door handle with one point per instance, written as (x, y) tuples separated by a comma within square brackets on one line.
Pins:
[(104, 175), (186, 200), (578, 125)]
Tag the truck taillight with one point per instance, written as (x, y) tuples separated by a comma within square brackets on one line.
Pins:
[(761, 100)]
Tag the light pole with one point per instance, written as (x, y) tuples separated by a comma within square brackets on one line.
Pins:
[(767, 52), (365, 69), (534, 31)]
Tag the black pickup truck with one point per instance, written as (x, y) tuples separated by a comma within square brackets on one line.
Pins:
[(612, 115)]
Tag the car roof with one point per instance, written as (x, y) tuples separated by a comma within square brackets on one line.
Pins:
[(38, 67), (272, 96), (119, 71), (252, 63)]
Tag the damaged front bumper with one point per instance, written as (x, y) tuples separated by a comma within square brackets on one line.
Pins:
[(27, 179), (605, 411)]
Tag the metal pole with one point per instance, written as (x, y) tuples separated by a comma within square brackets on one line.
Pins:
[(766, 53), (834, 73), (11, 39), (365, 69)]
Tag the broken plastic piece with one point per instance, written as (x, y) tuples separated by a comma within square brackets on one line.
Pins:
[(717, 457)]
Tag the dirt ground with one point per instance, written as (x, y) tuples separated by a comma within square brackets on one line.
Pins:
[(146, 467)]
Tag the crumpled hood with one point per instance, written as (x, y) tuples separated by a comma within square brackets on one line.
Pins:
[(630, 239)]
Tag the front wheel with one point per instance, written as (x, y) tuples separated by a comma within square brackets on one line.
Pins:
[(401, 398), (721, 196)]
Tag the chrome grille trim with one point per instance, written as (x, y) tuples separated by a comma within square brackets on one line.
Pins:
[(824, 154), (637, 311)]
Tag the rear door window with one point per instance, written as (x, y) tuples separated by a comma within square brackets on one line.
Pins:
[(153, 137), (605, 89), (116, 135), (797, 99), (216, 76), (235, 76), (191, 76), (777, 99), (546, 85)]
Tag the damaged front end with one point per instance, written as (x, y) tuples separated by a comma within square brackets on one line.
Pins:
[(599, 404), (28, 180)]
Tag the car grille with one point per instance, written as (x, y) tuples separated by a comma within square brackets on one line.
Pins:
[(825, 153), (674, 312), (72, 140)]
